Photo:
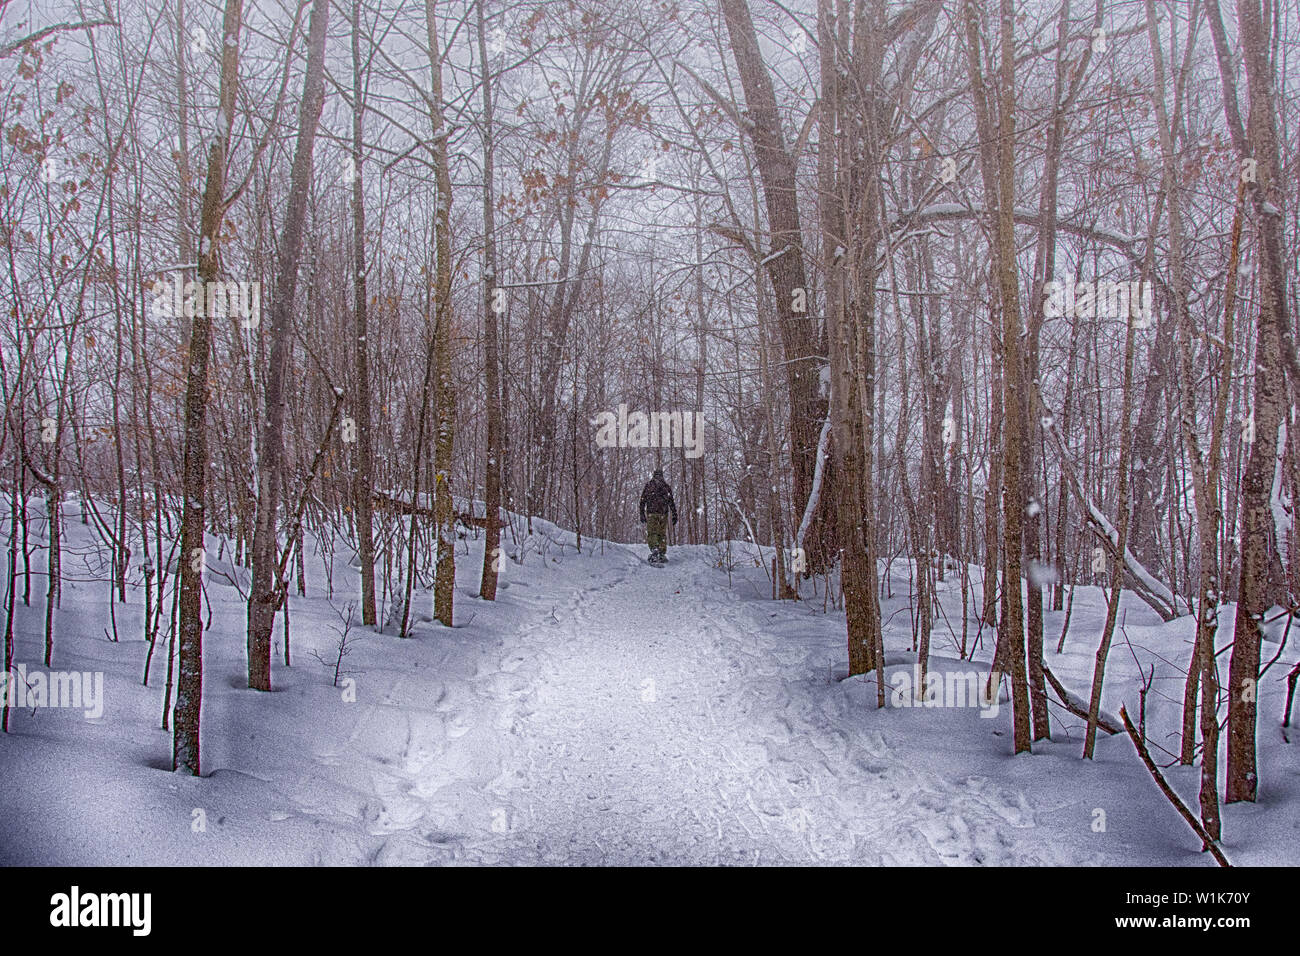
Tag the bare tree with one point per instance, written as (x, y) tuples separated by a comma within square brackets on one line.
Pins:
[(189, 686), (493, 304), (1256, 590), (363, 479), (784, 257), (268, 589), (997, 165)]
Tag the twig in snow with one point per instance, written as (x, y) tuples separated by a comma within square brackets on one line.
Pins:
[(1195, 824)]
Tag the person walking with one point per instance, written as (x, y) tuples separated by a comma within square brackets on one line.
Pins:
[(656, 505)]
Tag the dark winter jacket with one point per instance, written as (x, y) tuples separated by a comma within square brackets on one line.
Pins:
[(657, 498)]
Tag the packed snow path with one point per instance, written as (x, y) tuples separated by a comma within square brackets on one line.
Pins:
[(645, 718), (601, 711)]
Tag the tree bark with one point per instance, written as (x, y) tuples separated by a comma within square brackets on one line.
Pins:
[(998, 165), (445, 573), (493, 305), (1258, 531), (785, 263), (267, 588), (363, 479), (189, 686), (1204, 487), (856, 578)]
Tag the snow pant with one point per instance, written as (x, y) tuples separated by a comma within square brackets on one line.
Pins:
[(656, 532)]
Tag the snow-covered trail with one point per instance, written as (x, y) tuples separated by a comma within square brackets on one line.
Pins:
[(600, 711), (643, 718)]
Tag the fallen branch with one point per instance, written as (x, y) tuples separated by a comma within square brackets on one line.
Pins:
[(387, 502), (1155, 593), (1195, 824), (1072, 704)]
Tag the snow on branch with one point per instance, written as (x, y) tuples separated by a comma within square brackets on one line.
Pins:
[(1157, 595)]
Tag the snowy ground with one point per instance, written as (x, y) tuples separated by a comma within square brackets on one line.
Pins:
[(603, 711)]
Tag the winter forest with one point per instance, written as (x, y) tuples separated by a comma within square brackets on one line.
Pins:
[(342, 338)]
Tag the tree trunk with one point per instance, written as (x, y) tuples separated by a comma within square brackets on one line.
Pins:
[(998, 164), (785, 265), (363, 479), (267, 589), (189, 685), (1258, 531), (856, 580), (1202, 668), (493, 305), (444, 511)]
